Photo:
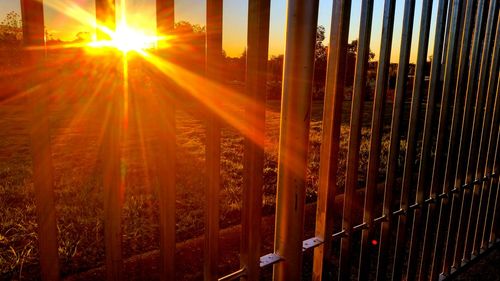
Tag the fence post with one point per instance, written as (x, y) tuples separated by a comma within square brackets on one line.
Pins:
[(493, 147), (493, 232), (450, 150), (112, 177), (468, 142), (43, 180), (397, 114), (166, 160), (425, 158), (359, 91), (213, 59), (294, 136), (367, 249), (412, 139), (332, 119), (476, 212), (255, 114)]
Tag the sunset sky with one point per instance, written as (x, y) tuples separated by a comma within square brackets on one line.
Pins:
[(141, 14)]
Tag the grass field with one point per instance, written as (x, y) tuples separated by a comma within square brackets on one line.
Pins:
[(76, 138)]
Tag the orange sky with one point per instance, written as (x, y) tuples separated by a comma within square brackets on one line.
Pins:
[(64, 18)]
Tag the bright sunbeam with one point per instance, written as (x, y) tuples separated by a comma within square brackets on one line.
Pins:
[(128, 39), (128, 36)]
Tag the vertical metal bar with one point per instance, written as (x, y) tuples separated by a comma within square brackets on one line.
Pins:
[(302, 18), (255, 114), (165, 21), (492, 164), (448, 83), (425, 159), (332, 119), (397, 116), (359, 91), (113, 189), (106, 17), (483, 132), (412, 138), (485, 204), (453, 147), (367, 248), (411, 142), (213, 57), (474, 142), (165, 16), (493, 231), (43, 179), (449, 11), (493, 188)]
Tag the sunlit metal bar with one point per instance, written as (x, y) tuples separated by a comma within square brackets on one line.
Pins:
[(452, 146), (425, 158), (359, 91), (494, 231), (332, 119), (253, 162), (367, 248), (412, 138), (166, 159), (213, 57), (113, 189), (474, 142), (397, 116), (106, 17), (493, 147), (449, 11), (43, 179), (298, 67), (485, 207), (165, 16), (483, 133), (411, 141)]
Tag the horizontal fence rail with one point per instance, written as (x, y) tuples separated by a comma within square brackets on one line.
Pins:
[(434, 211)]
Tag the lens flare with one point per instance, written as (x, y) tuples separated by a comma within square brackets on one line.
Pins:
[(128, 39)]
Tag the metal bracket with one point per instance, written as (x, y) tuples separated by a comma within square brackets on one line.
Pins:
[(235, 275), (269, 259), (311, 243), (430, 200)]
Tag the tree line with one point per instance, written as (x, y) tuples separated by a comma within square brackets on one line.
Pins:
[(188, 41)]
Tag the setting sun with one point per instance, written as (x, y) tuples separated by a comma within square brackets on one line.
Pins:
[(266, 140), (127, 39)]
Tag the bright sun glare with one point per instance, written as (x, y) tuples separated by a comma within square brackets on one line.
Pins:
[(127, 39)]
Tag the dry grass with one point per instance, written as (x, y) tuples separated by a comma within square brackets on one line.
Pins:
[(75, 149)]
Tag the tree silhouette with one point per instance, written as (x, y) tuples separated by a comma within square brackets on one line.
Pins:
[(10, 30), (320, 62), (188, 46), (83, 36)]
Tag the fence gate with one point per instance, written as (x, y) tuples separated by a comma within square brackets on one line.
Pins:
[(447, 212)]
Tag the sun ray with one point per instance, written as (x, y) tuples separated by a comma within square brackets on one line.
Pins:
[(125, 38), (209, 93)]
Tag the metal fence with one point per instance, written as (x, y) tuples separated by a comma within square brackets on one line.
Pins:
[(447, 213)]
